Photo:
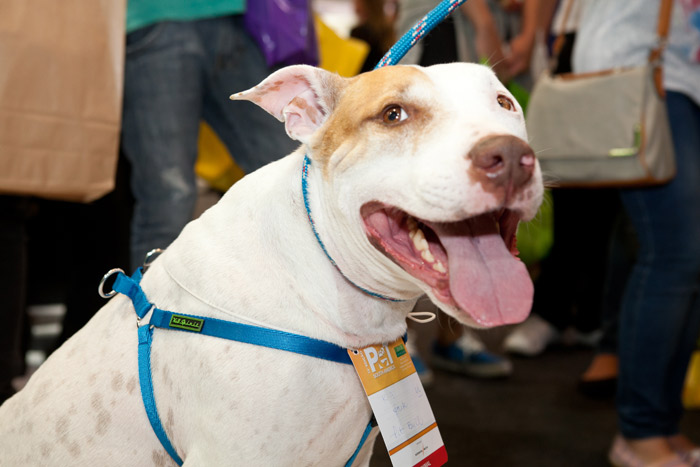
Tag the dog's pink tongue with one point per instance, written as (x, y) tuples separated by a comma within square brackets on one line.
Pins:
[(486, 280)]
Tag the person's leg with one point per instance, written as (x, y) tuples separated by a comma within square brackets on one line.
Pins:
[(573, 273), (162, 109), (660, 318), (599, 380), (621, 257), (13, 286), (234, 63), (97, 240), (569, 288)]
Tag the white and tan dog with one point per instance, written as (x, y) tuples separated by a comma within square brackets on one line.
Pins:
[(418, 179)]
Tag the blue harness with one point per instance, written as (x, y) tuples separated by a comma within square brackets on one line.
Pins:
[(130, 286)]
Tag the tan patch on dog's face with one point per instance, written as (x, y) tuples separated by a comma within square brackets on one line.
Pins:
[(357, 121)]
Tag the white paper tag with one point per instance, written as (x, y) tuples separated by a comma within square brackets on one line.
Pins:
[(400, 405)]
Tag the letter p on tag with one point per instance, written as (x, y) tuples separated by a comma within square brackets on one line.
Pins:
[(400, 405)]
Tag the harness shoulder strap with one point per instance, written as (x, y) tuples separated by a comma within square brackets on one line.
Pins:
[(146, 383), (365, 435)]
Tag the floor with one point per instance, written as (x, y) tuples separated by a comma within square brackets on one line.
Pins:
[(534, 418)]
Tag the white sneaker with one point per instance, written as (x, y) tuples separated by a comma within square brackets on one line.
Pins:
[(573, 337), (531, 337)]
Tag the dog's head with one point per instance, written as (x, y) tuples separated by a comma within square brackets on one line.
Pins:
[(426, 173)]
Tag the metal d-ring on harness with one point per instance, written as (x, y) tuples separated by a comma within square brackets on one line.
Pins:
[(130, 286)]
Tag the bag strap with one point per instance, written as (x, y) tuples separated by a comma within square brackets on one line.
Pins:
[(663, 27), (559, 41), (662, 30)]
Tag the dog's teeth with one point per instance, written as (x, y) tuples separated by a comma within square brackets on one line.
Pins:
[(419, 240), (420, 243), (439, 267)]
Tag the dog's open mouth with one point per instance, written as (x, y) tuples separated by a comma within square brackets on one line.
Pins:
[(470, 264)]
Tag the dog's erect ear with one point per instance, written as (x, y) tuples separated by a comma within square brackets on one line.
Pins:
[(301, 96)]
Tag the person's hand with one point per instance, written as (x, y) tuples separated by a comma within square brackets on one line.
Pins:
[(486, 41), (488, 47), (520, 53)]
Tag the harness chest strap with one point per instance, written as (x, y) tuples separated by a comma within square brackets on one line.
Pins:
[(239, 332)]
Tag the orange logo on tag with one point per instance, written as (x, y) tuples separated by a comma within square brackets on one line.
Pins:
[(380, 366)]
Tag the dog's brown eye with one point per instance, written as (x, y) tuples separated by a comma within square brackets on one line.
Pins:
[(506, 103), (394, 114)]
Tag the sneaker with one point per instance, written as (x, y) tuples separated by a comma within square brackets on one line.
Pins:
[(691, 457), (531, 337), (621, 455), (572, 337), (468, 356), (425, 374)]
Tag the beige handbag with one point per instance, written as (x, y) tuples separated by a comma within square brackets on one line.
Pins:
[(61, 75), (604, 129)]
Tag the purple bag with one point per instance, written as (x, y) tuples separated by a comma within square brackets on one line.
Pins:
[(284, 30)]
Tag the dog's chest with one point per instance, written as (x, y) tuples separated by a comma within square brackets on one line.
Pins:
[(257, 402)]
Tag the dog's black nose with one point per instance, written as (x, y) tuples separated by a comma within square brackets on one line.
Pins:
[(502, 161)]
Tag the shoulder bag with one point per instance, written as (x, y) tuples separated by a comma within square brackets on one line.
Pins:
[(605, 129)]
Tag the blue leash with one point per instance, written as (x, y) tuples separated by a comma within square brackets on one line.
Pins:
[(418, 31), (272, 338)]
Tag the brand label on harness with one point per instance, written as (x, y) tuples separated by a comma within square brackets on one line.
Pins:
[(400, 405), (187, 323)]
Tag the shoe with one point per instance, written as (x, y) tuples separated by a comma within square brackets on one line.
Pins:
[(685, 449), (599, 381), (598, 388), (425, 374), (621, 455), (572, 337), (531, 337), (691, 457), (468, 356)]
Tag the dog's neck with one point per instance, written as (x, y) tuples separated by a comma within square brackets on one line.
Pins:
[(256, 246)]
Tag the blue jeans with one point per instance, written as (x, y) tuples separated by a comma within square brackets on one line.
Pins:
[(176, 74), (660, 316)]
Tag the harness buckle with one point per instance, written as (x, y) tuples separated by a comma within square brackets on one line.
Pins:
[(138, 320)]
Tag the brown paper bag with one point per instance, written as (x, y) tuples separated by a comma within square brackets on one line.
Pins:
[(61, 76)]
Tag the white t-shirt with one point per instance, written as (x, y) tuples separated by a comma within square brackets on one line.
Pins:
[(620, 33)]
